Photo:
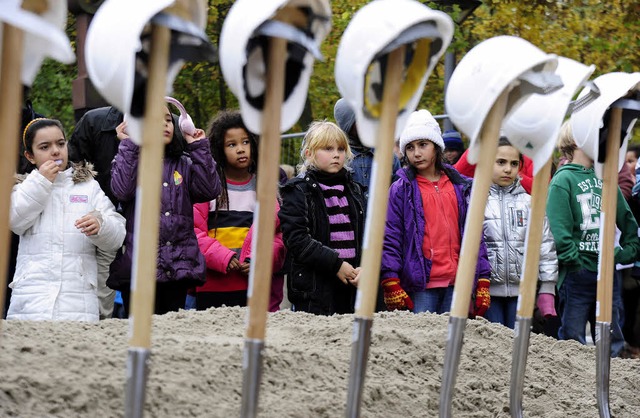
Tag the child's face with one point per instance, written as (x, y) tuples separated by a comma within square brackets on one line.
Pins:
[(631, 160), (168, 126), (49, 144), (330, 158), (506, 166), (421, 154), (237, 148)]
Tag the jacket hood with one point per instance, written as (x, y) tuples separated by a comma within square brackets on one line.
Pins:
[(575, 168), (81, 172)]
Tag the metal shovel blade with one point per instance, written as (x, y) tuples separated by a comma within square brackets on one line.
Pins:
[(358, 369), (603, 362), (519, 364), (451, 361)]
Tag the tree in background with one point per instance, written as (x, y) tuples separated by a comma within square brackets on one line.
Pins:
[(589, 31)]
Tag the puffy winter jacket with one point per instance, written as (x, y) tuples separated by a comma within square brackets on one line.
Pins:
[(311, 264), (56, 273), (185, 181), (505, 227), (402, 254)]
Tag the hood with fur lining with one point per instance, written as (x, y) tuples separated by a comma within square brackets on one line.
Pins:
[(82, 171)]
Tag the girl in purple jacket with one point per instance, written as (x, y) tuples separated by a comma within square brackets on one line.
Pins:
[(425, 225), (189, 176)]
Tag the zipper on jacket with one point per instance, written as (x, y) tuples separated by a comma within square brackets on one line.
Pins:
[(505, 238)]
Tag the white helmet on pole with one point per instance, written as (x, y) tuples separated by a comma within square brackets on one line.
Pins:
[(485, 72), (117, 49), (590, 124), (533, 128), (374, 31), (243, 52), (44, 35)]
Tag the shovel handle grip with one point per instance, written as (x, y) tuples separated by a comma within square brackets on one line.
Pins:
[(379, 194), (529, 280), (475, 214), (10, 99), (608, 211), (143, 283), (266, 189)]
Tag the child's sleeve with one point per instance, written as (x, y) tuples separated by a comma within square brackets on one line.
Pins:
[(279, 249), (483, 266), (294, 220), (204, 182), (548, 272), (216, 255), (28, 200), (112, 226), (394, 234), (561, 223), (629, 248), (124, 171), (463, 166)]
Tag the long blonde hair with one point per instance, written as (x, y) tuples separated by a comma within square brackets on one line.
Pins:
[(319, 135)]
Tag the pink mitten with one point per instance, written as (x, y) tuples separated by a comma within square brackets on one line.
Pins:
[(546, 304)]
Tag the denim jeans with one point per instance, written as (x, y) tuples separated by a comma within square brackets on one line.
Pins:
[(436, 300), (503, 310), (578, 295)]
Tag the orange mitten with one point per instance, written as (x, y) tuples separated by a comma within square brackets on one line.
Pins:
[(483, 299), (394, 296)]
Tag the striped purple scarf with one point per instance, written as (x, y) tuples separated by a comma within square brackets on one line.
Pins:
[(342, 236)]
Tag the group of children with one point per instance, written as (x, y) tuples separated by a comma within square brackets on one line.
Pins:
[(208, 198)]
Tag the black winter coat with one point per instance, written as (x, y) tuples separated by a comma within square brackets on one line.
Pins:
[(94, 140), (311, 264)]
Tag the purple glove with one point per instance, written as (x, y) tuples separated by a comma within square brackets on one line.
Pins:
[(546, 304)]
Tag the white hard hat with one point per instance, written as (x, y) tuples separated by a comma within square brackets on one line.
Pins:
[(374, 31), (244, 46), (533, 128), (485, 72), (44, 35), (117, 52), (589, 125)]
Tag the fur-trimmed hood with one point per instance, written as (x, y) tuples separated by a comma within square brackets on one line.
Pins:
[(82, 171)]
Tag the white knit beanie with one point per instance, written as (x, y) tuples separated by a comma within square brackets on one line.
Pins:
[(421, 125)]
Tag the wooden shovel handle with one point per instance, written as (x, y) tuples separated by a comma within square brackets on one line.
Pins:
[(608, 211), (529, 279), (379, 194), (11, 99), (475, 214), (268, 159), (143, 284)]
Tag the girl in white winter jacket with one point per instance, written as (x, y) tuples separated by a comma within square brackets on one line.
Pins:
[(62, 217)]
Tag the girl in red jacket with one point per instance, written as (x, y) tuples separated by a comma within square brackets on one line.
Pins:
[(223, 225)]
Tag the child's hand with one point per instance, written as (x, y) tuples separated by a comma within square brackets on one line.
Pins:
[(88, 224), (49, 169), (197, 136), (245, 267), (346, 273), (356, 280), (234, 264), (121, 131)]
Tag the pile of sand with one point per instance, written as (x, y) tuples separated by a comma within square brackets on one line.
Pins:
[(78, 370)]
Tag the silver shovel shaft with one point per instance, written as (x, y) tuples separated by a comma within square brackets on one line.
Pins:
[(603, 362), (251, 376), (451, 362), (137, 372), (359, 358), (519, 364)]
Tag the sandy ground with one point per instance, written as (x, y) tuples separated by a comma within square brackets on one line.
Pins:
[(78, 370)]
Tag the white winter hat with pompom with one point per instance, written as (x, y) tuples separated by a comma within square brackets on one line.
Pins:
[(421, 125)]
